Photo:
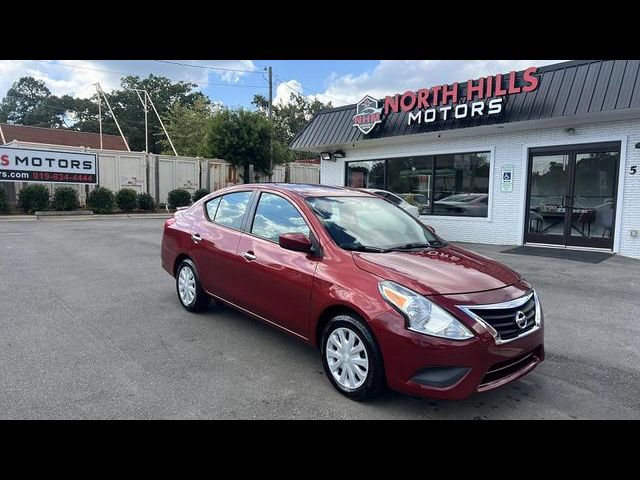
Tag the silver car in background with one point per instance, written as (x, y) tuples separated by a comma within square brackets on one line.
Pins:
[(395, 199)]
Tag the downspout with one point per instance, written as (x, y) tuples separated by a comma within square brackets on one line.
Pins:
[(2, 135)]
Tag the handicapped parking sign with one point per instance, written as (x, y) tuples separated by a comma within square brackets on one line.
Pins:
[(507, 178)]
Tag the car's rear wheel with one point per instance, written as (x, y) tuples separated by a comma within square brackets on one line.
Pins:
[(190, 292), (351, 358)]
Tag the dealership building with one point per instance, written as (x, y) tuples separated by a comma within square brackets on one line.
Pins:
[(543, 156)]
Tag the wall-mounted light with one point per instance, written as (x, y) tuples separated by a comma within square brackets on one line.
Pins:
[(331, 156)]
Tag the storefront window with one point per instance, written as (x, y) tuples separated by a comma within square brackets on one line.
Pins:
[(409, 178), (366, 174), (452, 184), (461, 185)]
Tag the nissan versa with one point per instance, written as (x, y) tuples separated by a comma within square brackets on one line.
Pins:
[(387, 301)]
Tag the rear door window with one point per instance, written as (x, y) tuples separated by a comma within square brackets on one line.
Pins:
[(232, 208)]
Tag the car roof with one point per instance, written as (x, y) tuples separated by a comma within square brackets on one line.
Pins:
[(304, 189)]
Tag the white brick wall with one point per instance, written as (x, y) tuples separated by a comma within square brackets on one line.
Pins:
[(506, 214)]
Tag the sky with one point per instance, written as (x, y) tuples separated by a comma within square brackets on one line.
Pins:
[(233, 83)]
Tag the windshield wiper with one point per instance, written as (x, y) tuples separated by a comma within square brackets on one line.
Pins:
[(410, 246), (366, 248)]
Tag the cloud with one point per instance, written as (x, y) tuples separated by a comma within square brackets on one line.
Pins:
[(284, 91), (398, 76), (76, 77)]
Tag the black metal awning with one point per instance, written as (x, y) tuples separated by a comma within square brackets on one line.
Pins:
[(565, 89)]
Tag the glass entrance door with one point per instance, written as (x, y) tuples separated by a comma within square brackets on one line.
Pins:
[(548, 191), (593, 199), (571, 195)]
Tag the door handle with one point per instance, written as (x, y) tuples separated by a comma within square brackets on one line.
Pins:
[(196, 237), (248, 255)]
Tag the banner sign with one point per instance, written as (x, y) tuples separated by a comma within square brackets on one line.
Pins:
[(27, 165)]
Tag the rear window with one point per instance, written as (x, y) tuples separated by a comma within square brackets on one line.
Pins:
[(212, 207)]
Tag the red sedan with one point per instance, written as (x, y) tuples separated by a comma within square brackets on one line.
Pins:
[(387, 301)]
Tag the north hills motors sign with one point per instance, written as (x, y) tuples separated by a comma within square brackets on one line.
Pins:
[(484, 96)]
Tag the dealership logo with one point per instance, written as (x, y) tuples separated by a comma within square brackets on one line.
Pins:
[(368, 115), (521, 319)]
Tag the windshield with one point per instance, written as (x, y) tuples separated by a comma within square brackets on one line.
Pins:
[(368, 223)]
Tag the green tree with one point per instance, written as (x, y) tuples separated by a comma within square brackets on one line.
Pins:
[(130, 112), (288, 119), (187, 126), (30, 102), (240, 137), (24, 103)]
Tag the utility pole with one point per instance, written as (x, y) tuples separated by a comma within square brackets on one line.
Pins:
[(146, 123), (270, 123), (146, 127), (148, 98), (99, 114), (106, 100)]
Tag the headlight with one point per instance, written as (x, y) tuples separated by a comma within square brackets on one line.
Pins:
[(423, 316), (538, 309)]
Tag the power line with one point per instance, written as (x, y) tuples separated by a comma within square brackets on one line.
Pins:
[(207, 67), (220, 84)]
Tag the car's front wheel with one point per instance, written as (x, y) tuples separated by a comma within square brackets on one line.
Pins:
[(351, 358), (190, 292)]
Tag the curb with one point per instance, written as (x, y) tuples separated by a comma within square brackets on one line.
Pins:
[(132, 216)]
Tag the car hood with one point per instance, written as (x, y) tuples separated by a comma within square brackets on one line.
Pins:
[(438, 271)]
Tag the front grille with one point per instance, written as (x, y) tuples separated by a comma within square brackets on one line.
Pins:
[(504, 369), (503, 320)]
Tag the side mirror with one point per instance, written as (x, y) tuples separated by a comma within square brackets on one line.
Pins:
[(431, 229), (298, 242)]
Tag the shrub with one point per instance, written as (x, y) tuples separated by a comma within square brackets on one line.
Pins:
[(198, 194), (65, 198), (33, 198), (145, 202), (4, 203), (101, 200), (126, 199), (178, 198)]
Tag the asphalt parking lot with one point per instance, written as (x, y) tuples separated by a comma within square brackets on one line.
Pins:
[(90, 327)]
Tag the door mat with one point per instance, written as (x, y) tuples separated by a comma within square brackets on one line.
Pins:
[(561, 253)]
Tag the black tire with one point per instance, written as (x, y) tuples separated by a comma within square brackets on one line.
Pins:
[(201, 300), (375, 381)]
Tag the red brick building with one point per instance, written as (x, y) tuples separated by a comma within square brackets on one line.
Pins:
[(54, 136)]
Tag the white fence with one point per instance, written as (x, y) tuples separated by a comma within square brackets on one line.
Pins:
[(159, 174), (303, 173), (174, 172), (292, 173)]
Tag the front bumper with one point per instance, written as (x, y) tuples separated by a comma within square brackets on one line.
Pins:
[(426, 366)]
